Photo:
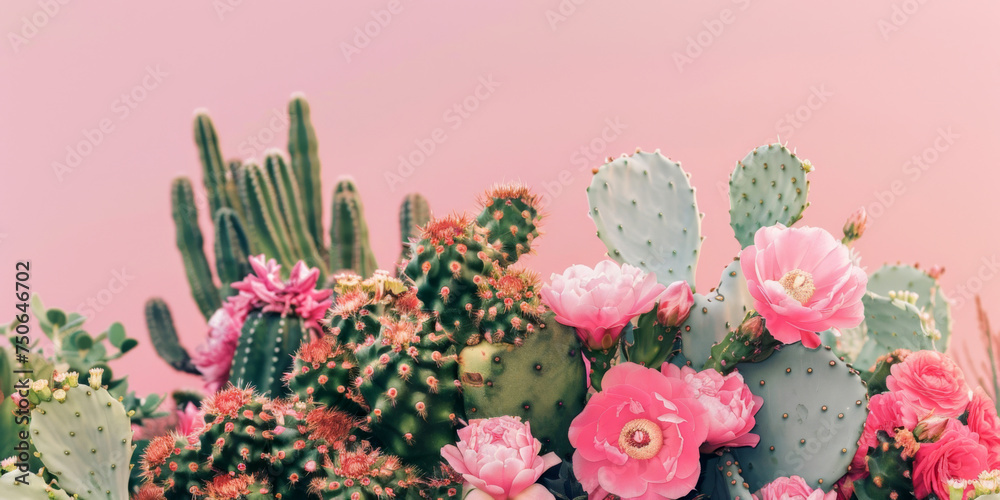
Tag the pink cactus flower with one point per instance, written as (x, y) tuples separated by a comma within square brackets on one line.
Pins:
[(958, 454), (599, 302), (803, 281), (640, 436), (792, 488), (729, 405), (932, 381), (498, 458), (214, 357), (887, 412), (854, 228), (983, 420), (675, 304), (189, 420)]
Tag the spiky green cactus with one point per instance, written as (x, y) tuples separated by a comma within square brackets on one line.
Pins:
[(815, 408), (510, 216), (543, 381), (414, 212), (645, 211), (890, 472), (324, 373), (265, 351), (767, 187), (83, 435), (274, 209)]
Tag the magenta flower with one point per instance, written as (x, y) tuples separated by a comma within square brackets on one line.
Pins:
[(599, 302), (932, 382), (792, 488), (675, 304), (498, 458), (803, 281), (887, 412), (729, 405), (958, 454), (983, 420), (189, 420), (214, 357), (639, 437)]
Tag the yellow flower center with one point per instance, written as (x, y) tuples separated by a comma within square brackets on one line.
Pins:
[(641, 439), (799, 285)]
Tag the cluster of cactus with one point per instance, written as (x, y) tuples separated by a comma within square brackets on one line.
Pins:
[(82, 435), (645, 211), (273, 208)]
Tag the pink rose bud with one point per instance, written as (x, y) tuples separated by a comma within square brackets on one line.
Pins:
[(931, 428), (855, 225), (752, 327), (675, 304)]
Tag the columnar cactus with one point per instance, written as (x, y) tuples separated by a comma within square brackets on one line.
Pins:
[(274, 209)]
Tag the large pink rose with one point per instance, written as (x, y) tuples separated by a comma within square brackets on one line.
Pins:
[(886, 412), (498, 457), (958, 454), (599, 302), (932, 381), (729, 405), (803, 281), (983, 421), (792, 488), (639, 437)]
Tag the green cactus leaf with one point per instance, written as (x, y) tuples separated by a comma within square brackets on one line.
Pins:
[(56, 317), (128, 345), (116, 334), (767, 187), (714, 315), (83, 341), (645, 211), (930, 296), (29, 487), (722, 479), (895, 324)]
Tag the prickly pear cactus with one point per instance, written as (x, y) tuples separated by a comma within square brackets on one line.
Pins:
[(543, 381), (265, 350), (767, 187), (714, 315), (645, 212), (83, 436), (892, 323), (930, 299), (723, 479), (29, 487), (815, 407), (890, 475)]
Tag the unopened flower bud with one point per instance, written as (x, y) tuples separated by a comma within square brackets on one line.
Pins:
[(930, 428), (855, 225), (59, 395), (753, 327), (675, 304)]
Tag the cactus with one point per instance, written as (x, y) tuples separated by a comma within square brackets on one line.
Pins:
[(29, 487), (890, 472), (646, 214), (279, 337), (892, 323), (767, 187), (510, 216), (275, 209), (543, 381), (723, 479), (324, 373), (714, 315), (414, 212), (814, 435), (83, 436)]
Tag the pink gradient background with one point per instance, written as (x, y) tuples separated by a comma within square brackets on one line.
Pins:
[(889, 98)]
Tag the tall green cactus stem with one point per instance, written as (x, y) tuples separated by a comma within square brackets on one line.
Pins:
[(723, 479), (409, 378), (543, 381), (767, 187), (930, 297), (414, 212), (192, 247), (350, 248), (890, 472), (714, 315), (160, 324), (267, 344), (232, 251), (84, 437), (510, 215), (286, 188), (303, 151), (264, 217), (213, 168), (645, 211), (816, 407)]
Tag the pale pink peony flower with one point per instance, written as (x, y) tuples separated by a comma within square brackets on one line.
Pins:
[(498, 457), (599, 302), (639, 437), (932, 381), (792, 488), (803, 281), (886, 412), (983, 421), (214, 357), (675, 304), (958, 454), (729, 405)]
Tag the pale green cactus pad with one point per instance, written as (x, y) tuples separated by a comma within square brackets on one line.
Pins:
[(36, 489), (767, 187), (814, 408), (645, 212), (723, 479), (930, 297), (85, 441), (892, 324), (714, 315)]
